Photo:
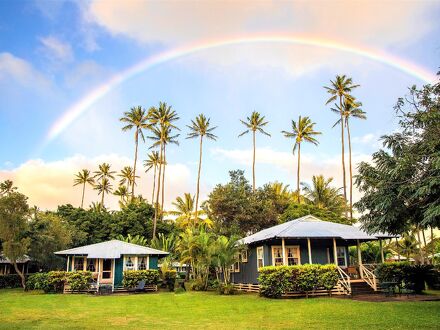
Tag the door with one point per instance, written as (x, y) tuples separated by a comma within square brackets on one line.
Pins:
[(107, 271)]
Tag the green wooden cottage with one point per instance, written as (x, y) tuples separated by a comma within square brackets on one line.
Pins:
[(108, 260)]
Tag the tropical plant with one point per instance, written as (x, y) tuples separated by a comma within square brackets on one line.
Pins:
[(200, 127), (136, 239), (103, 187), (341, 89), (226, 253), (303, 130), (351, 109), (83, 177), (186, 215), (103, 176), (254, 123), (136, 118), (7, 187), (122, 193), (127, 177), (153, 162)]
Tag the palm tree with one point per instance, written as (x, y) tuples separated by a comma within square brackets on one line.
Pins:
[(341, 88), (254, 123), (351, 108), (153, 161), (301, 131), (122, 193), (127, 176), (136, 239), (226, 253), (323, 195), (135, 118), (185, 214), (83, 177), (102, 176), (96, 207), (200, 127)]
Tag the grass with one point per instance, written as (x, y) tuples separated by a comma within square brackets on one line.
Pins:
[(197, 310)]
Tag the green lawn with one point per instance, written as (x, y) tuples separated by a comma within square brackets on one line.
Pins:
[(195, 310)]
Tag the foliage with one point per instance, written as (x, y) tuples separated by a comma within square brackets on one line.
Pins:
[(295, 211), (139, 240), (79, 280), (169, 278), (37, 281), (185, 213), (226, 253), (402, 184), (131, 278), (10, 281), (277, 280), (55, 281), (370, 252), (226, 289)]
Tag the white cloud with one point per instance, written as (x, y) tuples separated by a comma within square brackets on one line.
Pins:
[(56, 49), (50, 183)]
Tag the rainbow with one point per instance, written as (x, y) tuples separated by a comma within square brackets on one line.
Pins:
[(80, 107)]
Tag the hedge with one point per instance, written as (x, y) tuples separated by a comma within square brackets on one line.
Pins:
[(169, 278), (277, 280), (132, 278), (10, 281), (79, 281)]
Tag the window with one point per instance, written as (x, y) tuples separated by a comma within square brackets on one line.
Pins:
[(292, 255), (260, 257), (91, 265), (277, 256), (237, 267), (129, 265), (340, 253), (142, 263), (244, 256), (107, 268), (78, 264)]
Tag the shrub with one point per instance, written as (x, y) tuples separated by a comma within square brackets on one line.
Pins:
[(55, 281), (132, 278), (37, 281), (277, 280), (226, 289), (179, 290), (197, 285), (169, 278), (10, 281), (79, 281)]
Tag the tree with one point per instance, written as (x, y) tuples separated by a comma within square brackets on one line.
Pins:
[(295, 211), (301, 131), (226, 254), (138, 239), (14, 216), (341, 89), (200, 127), (127, 177), (103, 176), (136, 118), (122, 193), (254, 123), (323, 195), (185, 214), (153, 161), (351, 109), (402, 183), (83, 177), (7, 187)]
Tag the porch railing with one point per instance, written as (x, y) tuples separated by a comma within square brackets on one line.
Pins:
[(368, 276), (344, 280)]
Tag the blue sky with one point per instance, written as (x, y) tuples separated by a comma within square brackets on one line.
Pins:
[(53, 53)]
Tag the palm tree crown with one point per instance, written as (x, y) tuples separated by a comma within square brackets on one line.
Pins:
[(83, 177)]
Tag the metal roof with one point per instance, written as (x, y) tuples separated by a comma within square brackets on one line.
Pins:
[(111, 250), (22, 260), (312, 227)]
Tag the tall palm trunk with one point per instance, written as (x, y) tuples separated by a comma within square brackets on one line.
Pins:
[(253, 164), (102, 198), (350, 170), (198, 180), (343, 153), (163, 176), (154, 184), (82, 199), (156, 207), (136, 139), (297, 172)]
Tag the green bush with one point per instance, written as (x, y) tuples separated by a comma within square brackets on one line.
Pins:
[(79, 281), (197, 285), (169, 278), (55, 281), (276, 280), (226, 289), (10, 281), (132, 278), (179, 291), (37, 281)]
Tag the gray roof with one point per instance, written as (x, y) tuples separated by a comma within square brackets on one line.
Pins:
[(311, 227), (111, 250), (22, 260)]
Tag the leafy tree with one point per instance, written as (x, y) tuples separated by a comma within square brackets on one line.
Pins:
[(136, 118), (340, 89), (200, 127), (14, 216), (226, 253), (254, 123), (83, 178), (295, 211), (303, 130), (138, 239), (185, 213), (7, 187)]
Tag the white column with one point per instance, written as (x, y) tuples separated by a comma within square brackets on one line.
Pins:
[(99, 269), (360, 258), (113, 276), (68, 261), (309, 247), (335, 253), (381, 251), (284, 252)]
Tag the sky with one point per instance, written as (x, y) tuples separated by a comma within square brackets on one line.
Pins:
[(69, 69)]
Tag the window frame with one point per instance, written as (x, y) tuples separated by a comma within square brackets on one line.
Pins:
[(298, 256), (146, 260), (75, 259), (89, 261), (341, 248), (260, 248), (244, 256)]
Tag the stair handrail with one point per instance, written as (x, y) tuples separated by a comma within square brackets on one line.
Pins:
[(369, 277), (344, 279)]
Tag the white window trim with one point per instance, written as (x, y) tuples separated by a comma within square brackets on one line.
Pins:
[(244, 256), (345, 255), (285, 252), (237, 267), (262, 254), (136, 261), (147, 262)]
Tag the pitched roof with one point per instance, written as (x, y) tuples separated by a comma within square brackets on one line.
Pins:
[(22, 260), (312, 227), (111, 250)]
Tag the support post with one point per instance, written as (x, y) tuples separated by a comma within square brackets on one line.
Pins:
[(99, 270), (381, 251), (335, 253), (68, 262), (283, 247), (360, 259), (310, 250)]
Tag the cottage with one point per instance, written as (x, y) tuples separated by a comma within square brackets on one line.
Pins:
[(108, 260), (306, 240), (23, 264)]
